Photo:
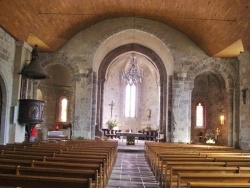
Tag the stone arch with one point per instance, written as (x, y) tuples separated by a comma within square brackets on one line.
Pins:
[(228, 73), (3, 106), (50, 61), (158, 63), (220, 67), (136, 36)]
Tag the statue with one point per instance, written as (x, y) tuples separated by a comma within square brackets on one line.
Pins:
[(217, 133)]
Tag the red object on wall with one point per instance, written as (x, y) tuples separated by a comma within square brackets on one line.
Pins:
[(57, 127)]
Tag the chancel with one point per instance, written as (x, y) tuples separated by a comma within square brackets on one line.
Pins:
[(102, 79)]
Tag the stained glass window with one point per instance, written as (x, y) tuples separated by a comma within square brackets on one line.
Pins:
[(199, 115), (63, 110), (130, 100)]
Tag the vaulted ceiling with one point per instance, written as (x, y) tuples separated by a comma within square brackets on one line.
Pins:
[(220, 27)]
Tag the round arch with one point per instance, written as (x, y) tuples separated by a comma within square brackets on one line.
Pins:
[(229, 75), (3, 106), (162, 74)]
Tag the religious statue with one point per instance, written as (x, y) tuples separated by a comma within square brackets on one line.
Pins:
[(217, 133)]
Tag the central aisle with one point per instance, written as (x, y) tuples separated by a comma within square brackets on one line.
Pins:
[(131, 169)]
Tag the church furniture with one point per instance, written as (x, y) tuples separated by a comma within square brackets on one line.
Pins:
[(174, 171), (164, 156), (29, 181), (130, 136), (110, 133), (183, 178), (59, 172), (51, 172), (165, 178), (88, 156), (56, 135), (216, 185), (150, 135), (238, 163)]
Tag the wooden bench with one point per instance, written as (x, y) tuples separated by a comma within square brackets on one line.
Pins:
[(97, 181), (43, 181), (216, 185), (174, 171), (73, 166), (183, 178), (51, 172), (165, 178), (80, 155)]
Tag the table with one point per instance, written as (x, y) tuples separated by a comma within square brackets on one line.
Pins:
[(130, 136)]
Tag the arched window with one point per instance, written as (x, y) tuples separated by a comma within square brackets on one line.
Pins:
[(200, 123), (63, 109), (130, 100)]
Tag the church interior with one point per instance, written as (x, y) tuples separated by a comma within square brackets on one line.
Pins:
[(169, 72)]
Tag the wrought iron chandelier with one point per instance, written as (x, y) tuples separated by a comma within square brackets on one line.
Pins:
[(133, 75)]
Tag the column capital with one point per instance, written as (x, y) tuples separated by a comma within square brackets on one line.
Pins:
[(24, 44)]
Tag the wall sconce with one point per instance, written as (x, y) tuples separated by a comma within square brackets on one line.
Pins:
[(149, 113), (222, 119)]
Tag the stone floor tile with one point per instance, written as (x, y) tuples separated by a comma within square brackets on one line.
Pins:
[(131, 169)]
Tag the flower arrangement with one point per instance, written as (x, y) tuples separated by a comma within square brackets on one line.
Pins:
[(209, 137), (209, 134), (112, 124)]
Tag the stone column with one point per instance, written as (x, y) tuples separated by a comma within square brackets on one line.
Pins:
[(22, 56), (244, 77), (181, 130), (82, 125)]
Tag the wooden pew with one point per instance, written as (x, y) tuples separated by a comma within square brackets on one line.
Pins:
[(164, 180), (174, 171), (97, 181), (50, 172), (91, 152), (216, 185), (183, 178), (179, 159), (100, 158), (15, 162), (43, 181), (73, 166)]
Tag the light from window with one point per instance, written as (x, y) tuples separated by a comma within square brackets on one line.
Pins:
[(64, 107), (199, 116), (130, 99)]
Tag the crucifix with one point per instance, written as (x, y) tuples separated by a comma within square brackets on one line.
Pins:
[(112, 104)]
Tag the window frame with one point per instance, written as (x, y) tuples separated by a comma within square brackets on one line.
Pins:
[(135, 101), (204, 115), (59, 119)]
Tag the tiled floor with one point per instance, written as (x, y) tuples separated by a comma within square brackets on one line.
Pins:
[(131, 169)]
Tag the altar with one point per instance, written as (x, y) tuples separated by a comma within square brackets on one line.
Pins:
[(130, 136)]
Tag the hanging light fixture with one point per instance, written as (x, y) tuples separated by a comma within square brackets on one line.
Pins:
[(34, 70), (133, 75)]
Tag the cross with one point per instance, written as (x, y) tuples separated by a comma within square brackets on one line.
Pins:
[(112, 104)]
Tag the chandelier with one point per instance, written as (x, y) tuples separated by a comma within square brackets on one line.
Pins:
[(133, 75)]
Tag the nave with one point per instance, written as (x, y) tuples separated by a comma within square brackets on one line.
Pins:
[(131, 168)]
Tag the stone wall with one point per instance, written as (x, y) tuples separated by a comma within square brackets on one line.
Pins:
[(179, 54), (52, 95), (147, 99), (7, 55), (209, 90), (244, 104)]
